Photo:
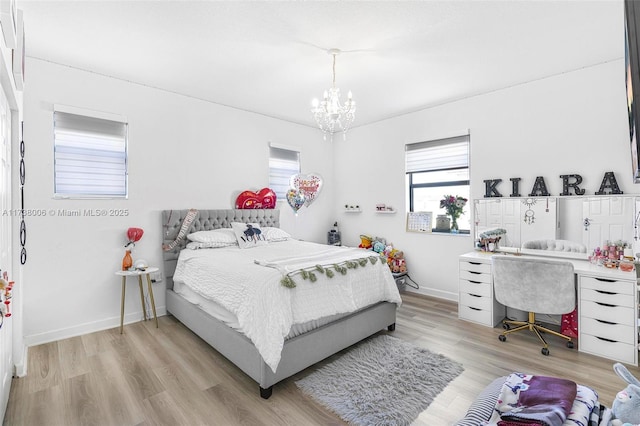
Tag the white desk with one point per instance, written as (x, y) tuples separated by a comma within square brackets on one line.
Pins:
[(607, 304)]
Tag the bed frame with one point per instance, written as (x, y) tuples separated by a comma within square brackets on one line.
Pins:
[(299, 352)]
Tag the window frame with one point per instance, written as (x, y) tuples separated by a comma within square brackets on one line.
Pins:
[(287, 151), (431, 144), (115, 122)]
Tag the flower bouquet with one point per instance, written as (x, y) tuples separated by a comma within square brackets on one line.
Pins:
[(454, 206)]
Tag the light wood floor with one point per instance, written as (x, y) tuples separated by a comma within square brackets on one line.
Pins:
[(168, 376)]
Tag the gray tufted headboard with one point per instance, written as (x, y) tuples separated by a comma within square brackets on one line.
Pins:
[(206, 220)]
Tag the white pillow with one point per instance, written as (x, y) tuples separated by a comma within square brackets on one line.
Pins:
[(248, 234), (223, 237), (275, 234), (195, 246)]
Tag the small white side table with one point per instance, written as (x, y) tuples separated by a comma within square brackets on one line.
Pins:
[(139, 274)]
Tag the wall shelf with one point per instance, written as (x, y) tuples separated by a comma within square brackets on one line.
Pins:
[(353, 210), (386, 211)]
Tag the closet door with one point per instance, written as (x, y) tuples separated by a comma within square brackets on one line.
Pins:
[(6, 217)]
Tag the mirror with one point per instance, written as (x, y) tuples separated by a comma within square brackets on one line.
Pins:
[(588, 220)]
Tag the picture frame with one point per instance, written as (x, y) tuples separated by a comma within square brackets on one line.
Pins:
[(8, 17), (632, 79), (18, 54), (420, 222)]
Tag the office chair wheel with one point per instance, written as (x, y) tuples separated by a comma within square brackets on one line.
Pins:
[(545, 351), (570, 345), (502, 338), (506, 326)]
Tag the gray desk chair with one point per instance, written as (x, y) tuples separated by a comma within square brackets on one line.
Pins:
[(534, 285)]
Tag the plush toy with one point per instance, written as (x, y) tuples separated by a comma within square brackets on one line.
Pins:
[(379, 244), (365, 242), (626, 406), (398, 264)]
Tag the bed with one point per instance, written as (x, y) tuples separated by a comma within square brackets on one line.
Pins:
[(312, 342)]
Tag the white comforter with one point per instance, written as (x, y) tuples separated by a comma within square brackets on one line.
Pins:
[(265, 309)]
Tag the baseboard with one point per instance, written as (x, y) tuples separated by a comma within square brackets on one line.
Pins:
[(446, 295), (20, 367), (86, 328)]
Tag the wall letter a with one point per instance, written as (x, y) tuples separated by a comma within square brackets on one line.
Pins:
[(539, 188), (609, 181)]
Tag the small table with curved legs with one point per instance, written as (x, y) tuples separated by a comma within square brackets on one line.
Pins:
[(139, 274)]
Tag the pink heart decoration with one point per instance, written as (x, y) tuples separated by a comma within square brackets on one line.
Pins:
[(309, 185), (263, 199)]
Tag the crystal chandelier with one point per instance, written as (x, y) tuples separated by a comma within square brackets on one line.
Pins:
[(329, 114)]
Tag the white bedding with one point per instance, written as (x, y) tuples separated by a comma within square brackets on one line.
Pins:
[(265, 309)]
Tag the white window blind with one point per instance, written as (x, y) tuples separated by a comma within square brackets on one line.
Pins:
[(283, 163), (441, 154), (90, 156)]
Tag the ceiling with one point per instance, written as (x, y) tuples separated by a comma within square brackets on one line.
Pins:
[(270, 57)]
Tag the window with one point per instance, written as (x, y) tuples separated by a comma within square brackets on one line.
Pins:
[(435, 169), (90, 154), (283, 163)]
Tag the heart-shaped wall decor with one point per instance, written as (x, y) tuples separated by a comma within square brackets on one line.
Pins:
[(295, 199), (263, 199), (309, 185)]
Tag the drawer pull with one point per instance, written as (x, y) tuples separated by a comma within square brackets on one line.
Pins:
[(474, 272), (606, 280), (606, 340), (475, 282), (474, 295), (605, 292), (475, 263), (605, 304), (606, 322), (475, 309)]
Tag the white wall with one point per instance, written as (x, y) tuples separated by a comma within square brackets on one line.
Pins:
[(183, 153), (187, 153), (573, 123)]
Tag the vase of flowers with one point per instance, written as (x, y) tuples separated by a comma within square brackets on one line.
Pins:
[(454, 206)]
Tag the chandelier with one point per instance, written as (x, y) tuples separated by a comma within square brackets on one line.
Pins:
[(329, 114)]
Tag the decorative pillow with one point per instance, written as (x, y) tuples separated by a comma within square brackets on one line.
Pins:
[(224, 237), (248, 234), (195, 245), (275, 234)]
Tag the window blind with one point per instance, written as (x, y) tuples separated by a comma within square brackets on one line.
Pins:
[(90, 156), (441, 154), (283, 163)]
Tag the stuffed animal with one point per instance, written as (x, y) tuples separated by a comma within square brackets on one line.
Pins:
[(398, 264), (626, 406), (365, 242), (379, 244)]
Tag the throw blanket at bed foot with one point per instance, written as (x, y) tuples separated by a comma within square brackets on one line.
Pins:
[(545, 401), (328, 262)]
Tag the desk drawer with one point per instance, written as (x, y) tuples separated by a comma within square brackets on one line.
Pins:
[(484, 268), (613, 286), (607, 297), (475, 287), (615, 314), (481, 316), (618, 332), (475, 276), (475, 301), (613, 350)]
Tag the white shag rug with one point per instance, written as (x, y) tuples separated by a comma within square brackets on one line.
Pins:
[(381, 381)]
